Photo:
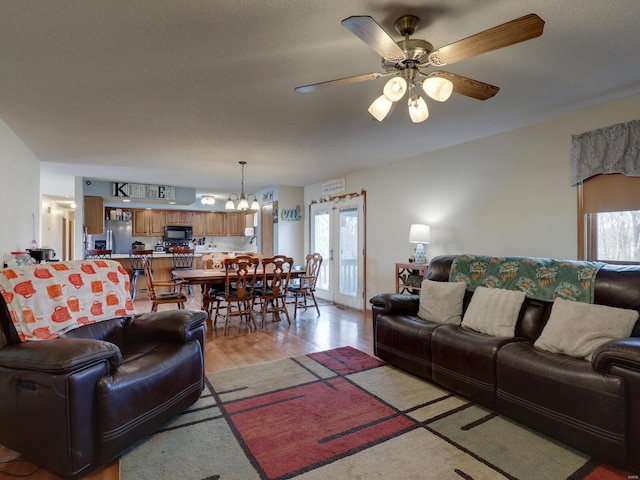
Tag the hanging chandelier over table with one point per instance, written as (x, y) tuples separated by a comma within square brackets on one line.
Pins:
[(243, 201)]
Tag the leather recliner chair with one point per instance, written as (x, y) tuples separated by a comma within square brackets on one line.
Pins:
[(74, 402)]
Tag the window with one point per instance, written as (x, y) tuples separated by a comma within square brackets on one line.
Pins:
[(609, 218), (617, 235)]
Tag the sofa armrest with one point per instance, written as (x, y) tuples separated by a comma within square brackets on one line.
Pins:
[(168, 325), (396, 303), (622, 353), (60, 355)]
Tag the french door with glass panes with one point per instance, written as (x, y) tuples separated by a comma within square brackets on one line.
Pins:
[(337, 233)]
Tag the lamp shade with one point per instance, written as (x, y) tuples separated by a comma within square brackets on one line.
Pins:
[(419, 233), (395, 89), (418, 110), (380, 107), (438, 88)]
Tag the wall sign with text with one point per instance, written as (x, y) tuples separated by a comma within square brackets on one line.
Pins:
[(292, 214), (144, 192)]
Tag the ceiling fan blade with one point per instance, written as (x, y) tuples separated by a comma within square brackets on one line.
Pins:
[(468, 86), (341, 81), (518, 30), (371, 33)]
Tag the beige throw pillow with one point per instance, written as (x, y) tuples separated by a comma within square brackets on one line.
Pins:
[(577, 329), (494, 311), (441, 302)]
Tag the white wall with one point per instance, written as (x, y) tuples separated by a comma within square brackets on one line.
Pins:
[(289, 234), (504, 195), (19, 193)]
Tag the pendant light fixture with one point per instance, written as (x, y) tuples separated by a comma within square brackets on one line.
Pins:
[(243, 201), (437, 88)]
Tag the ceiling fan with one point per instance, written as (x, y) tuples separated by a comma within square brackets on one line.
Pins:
[(406, 61)]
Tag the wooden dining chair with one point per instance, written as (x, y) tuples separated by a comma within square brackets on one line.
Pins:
[(102, 254), (305, 286), (271, 292), (176, 296), (240, 275)]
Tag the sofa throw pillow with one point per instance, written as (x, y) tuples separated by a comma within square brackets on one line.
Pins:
[(577, 329), (441, 302), (494, 311)]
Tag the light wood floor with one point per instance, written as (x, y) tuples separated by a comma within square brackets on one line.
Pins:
[(335, 327)]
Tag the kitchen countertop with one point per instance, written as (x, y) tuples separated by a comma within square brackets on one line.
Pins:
[(119, 256), (198, 253)]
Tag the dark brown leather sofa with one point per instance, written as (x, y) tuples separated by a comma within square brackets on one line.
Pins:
[(74, 402), (592, 406)]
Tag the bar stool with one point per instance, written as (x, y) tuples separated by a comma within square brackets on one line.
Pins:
[(137, 258), (103, 254), (183, 260)]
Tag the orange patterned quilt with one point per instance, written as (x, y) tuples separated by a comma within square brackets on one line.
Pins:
[(49, 299)]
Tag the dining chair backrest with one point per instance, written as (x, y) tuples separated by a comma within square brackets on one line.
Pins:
[(176, 296), (240, 273), (312, 270), (136, 259), (276, 272), (207, 261), (146, 266), (182, 258), (104, 254)]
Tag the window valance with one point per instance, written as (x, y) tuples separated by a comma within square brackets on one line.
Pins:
[(614, 149)]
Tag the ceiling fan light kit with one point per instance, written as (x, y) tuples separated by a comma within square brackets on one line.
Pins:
[(418, 110), (395, 89), (380, 107), (438, 88), (407, 58)]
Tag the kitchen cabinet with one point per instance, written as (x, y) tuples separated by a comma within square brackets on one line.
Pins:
[(178, 217), (148, 223), (198, 221), (236, 222), (216, 224), (209, 224), (94, 215)]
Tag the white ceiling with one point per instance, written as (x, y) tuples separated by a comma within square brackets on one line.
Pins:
[(176, 92)]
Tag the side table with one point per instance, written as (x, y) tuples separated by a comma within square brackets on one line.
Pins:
[(409, 277)]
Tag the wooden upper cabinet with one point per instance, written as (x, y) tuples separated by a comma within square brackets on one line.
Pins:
[(94, 215), (148, 223), (156, 223), (217, 224), (249, 219), (236, 222), (209, 224), (178, 217), (198, 221), (140, 226)]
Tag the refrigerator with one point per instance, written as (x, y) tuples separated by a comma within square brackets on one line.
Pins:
[(117, 237)]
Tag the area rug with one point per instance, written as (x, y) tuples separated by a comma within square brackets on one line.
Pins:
[(342, 414)]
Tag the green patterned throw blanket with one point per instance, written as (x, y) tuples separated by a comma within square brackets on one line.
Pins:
[(540, 278)]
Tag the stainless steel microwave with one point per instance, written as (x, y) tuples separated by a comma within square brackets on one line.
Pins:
[(177, 234)]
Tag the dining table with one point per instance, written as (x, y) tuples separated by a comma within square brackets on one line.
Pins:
[(212, 277)]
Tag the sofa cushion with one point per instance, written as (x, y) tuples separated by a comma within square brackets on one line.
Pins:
[(577, 329), (441, 302), (494, 311)]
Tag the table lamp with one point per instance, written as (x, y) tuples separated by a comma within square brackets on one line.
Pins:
[(420, 234)]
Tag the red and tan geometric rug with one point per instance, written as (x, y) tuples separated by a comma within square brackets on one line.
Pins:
[(342, 414)]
